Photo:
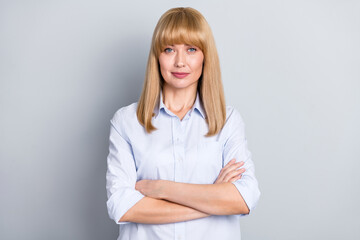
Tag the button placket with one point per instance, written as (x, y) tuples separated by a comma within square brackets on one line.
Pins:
[(179, 158), (178, 150)]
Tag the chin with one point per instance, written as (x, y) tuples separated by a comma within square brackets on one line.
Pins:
[(180, 85)]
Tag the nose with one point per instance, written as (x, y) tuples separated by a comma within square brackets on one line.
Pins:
[(180, 59)]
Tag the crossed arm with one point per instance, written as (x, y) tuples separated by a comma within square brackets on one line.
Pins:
[(185, 201), (168, 201)]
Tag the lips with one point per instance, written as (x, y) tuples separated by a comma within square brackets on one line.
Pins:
[(179, 74)]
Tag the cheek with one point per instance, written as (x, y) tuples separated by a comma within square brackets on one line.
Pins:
[(165, 70), (197, 64), (164, 65)]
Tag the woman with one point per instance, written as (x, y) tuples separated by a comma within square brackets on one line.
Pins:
[(175, 156)]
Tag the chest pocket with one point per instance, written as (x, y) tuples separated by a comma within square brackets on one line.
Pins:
[(209, 161)]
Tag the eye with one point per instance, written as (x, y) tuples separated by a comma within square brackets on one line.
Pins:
[(167, 50), (192, 49)]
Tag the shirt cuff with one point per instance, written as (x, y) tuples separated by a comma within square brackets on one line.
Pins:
[(118, 205), (250, 194)]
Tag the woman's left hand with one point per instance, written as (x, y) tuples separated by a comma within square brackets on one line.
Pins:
[(151, 188)]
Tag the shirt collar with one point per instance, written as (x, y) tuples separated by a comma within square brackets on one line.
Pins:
[(197, 105)]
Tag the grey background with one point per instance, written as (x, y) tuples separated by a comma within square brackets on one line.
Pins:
[(290, 67)]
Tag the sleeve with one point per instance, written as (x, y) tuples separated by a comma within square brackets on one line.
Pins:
[(236, 147), (121, 174)]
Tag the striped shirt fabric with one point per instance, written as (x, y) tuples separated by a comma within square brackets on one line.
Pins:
[(177, 151)]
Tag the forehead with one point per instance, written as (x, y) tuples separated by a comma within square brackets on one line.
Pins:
[(181, 37)]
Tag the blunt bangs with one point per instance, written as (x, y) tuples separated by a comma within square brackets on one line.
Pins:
[(180, 28)]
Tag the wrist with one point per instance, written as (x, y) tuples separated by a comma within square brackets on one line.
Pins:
[(164, 188)]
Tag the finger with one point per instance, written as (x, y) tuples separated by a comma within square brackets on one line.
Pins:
[(236, 165), (232, 167), (223, 171), (231, 162), (235, 178), (237, 174), (221, 176), (226, 170), (233, 174)]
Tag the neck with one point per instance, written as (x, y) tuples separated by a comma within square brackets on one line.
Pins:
[(178, 100)]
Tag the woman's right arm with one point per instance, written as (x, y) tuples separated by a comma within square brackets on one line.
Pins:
[(125, 204), (157, 211)]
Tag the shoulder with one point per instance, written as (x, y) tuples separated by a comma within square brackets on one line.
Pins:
[(234, 122), (125, 114), (233, 115)]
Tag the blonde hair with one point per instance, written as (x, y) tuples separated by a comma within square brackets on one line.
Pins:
[(184, 26)]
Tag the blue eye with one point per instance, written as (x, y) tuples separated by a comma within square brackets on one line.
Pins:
[(167, 49), (194, 49)]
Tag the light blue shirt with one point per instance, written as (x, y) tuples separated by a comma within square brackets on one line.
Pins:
[(177, 151)]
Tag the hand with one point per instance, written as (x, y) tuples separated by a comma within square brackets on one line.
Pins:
[(230, 173), (151, 188)]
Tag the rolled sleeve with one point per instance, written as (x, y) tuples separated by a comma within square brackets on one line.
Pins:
[(121, 174), (236, 147)]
